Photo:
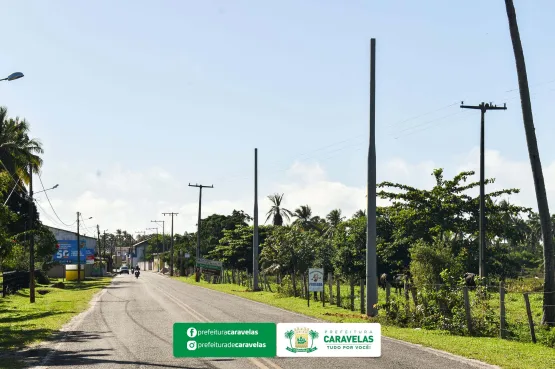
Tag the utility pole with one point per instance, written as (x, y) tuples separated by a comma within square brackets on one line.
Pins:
[(171, 244), (104, 248), (78, 252), (163, 235), (156, 243), (483, 107), (255, 233), (31, 239), (199, 213), (99, 250), (371, 262)]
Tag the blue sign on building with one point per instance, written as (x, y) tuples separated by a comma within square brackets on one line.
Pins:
[(67, 252)]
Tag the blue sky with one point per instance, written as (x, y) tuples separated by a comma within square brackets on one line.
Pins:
[(135, 99)]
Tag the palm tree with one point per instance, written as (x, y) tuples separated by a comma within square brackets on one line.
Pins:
[(539, 184), (17, 150), (360, 213), (334, 218), (277, 212), (304, 216)]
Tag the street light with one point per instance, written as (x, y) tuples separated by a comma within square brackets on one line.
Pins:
[(13, 76), (48, 189), (79, 248)]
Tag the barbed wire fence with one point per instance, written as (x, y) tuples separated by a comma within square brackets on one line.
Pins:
[(504, 310)]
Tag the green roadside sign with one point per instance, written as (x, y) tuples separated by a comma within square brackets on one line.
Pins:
[(209, 264), (224, 340)]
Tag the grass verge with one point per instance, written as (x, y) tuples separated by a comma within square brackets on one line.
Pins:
[(23, 323), (504, 353)]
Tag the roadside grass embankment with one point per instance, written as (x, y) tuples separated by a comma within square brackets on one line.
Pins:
[(23, 323), (496, 351)]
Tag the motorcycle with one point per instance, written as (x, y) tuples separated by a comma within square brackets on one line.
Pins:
[(137, 274)]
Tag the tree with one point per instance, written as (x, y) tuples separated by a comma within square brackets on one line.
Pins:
[(537, 172), (235, 247), (428, 215), (277, 212), (212, 228), (350, 242), (17, 150)]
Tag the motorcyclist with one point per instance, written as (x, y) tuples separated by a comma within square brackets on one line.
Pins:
[(137, 270)]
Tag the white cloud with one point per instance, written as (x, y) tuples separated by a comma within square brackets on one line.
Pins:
[(127, 199)]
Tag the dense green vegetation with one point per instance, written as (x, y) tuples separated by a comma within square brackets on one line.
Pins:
[(19, 154), (431, 233)]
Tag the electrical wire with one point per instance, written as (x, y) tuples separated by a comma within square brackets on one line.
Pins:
[(83, 222), (46, 194)]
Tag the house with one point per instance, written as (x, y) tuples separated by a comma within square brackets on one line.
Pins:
[(138, 255)]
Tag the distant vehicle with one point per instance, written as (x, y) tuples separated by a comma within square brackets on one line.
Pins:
[(124, 269)]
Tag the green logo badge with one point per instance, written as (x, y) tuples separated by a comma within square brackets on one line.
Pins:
[(298, 340)]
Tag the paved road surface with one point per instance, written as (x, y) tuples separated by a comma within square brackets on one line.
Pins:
[(130, 326)]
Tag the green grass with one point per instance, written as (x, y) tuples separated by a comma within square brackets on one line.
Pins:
[(23, 323), (515, 308), (504, 353)]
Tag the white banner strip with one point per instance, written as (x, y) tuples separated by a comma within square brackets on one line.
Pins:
[(329, 340)]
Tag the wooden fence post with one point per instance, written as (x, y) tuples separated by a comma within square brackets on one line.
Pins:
[(330, 283), (502, 309), (467, 309), (387, 294), (530, 320), (294, 282), (362, 296), (338, 283), (352, 283)]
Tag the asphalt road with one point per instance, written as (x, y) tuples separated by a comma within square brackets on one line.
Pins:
[(130, 326)]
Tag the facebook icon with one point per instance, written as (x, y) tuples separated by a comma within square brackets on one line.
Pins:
[(191, 332)]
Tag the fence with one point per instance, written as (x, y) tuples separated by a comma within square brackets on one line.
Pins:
[(492, 311)]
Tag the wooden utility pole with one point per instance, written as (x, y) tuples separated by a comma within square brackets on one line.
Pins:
[(483, 107), (171, 243), (537, 172), (199, 214), (98, 246)]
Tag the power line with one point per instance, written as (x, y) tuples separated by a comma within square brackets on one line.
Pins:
[(83, 222), (46, 194)]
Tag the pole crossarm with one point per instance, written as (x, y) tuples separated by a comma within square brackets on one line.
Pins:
[(171, 243), (483, 107), (200, 187)]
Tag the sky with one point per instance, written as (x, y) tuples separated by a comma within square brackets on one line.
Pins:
[(135, 100)]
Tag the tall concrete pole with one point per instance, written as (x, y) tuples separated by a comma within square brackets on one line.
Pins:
[(31, 239), (255, 233), (371, 263)]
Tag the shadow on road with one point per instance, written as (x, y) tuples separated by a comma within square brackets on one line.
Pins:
[(88, 358)]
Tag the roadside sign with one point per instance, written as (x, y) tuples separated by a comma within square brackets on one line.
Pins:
[(315, 279), (224, 340), (209, 264), (66, 252), (187, 255)]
